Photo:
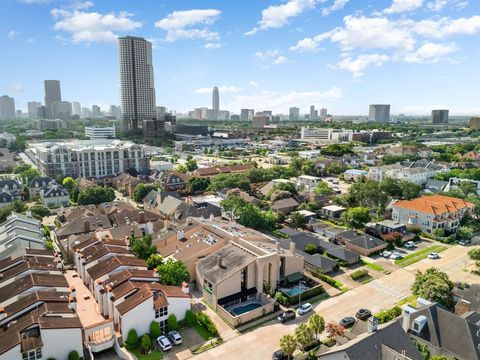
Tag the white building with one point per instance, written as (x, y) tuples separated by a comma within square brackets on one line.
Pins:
[(326, 135), (93, 132), (309, 154), (453, 184), (308, 181)]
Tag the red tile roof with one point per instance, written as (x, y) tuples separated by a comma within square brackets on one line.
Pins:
[(435, 204)]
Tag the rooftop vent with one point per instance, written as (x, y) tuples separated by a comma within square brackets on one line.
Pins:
[(419, 323)]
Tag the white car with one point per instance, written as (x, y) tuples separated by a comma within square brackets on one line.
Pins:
[(305, 308), (409, 245), (164, 343), (433, 255), (395, 256), (175, 337), (386, 253)]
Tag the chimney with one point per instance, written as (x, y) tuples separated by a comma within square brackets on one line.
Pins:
[(180, 235), (86, 226), (407, 311), (166, 224), (29, 214), (292, 247), (277, 245), (462, 307), (372, 324), (73, 292), (185, 287), (142, 217), (72, 303), (219, 261), (3, 314)]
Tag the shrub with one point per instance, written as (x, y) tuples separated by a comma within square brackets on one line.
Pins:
[(146, 344), (359, 274), (329, 280), (155, 330), (172, 322), (388, 315), (281, 298), (190, 318), (310, 249), (73, 355), (205, 321), (132, 340)]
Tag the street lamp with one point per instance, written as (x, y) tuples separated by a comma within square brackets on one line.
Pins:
[(300, 293)]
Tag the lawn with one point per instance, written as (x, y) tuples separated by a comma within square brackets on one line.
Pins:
[(204, 333), (419, 255), (154, 355), (372, 266)]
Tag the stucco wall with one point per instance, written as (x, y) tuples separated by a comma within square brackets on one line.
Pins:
[(139, 318), (57, 343)]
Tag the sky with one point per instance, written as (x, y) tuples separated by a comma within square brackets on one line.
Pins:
[(267, 55)]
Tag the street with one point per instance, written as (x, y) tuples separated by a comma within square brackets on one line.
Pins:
[(377, 295)]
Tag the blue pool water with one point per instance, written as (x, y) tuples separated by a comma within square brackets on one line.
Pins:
[(239, 310), (297, 289)]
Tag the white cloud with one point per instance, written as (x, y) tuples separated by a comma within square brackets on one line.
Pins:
[(437, 5), (253, 83), (357, 66), (224, 89), (337, 5), (399, 6), (15, 88), (280, 60), (311, 44), (426, 110), (12, 34), (278, 102), (35, 1), (212, 45), (273, 56), (79, 4), (184, 24), (92, 26), (431, 52), (276, 16)]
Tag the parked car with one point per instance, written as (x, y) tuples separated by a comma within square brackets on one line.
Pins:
[(175, 337), (279, 355), (409, 245), (464, 242), (286, 316), (396, 256), (433, 255), (363, 314), (386, 253), (163, 342), (305, 308), (347, 322)]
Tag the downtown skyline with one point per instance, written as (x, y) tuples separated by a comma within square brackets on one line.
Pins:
[(270, 55)]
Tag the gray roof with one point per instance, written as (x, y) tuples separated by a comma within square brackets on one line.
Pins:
[(343, 254), (470, 294), (233, 260), (324, 263), (40, 181), (289, 231), (364, 241), (284, 203)]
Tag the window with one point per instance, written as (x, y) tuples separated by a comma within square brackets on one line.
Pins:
[(35, 354), (161, 312)]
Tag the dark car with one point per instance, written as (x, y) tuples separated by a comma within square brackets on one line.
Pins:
[(347, 322), (286, 316), (279, 355), (363, 314)]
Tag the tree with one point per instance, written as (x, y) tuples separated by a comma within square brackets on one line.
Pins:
[(95, 196), (142, 190), (172, 322), (465, 232), (181, 169), (40, 211), (474, 254), (311, 249), (433, 285), (154, 260), (69, 184), (195, 184), (146, 344), (288, 345), (441, 357), (190, 318), (73, 355), (317, 324), (173, 272), (132, 172), (143, 247), (297, 220), (132, 340), (304, 335), (334, 329), (191, 165), (248, 214), (155, 330), (438, 233), (322, 189), (356, 217), (229, 181)]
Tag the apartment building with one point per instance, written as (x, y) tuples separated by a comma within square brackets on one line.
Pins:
[(432, 212)]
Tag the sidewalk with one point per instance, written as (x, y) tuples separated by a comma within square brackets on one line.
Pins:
[(224, 330)]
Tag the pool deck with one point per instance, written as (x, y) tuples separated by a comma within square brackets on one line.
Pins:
[(242, 305)]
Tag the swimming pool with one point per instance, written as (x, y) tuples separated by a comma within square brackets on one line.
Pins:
[(242, 309), (297, 289)]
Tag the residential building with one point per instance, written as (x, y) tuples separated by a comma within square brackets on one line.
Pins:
[(354, 174), (475, 123), (221, 169), (332, 211), (379, 113), (309, 154), (285, 206), (313, 113), (294, 114), (92, 159), (432, 212), (323, 113), (454, 183), (32, 107), (215, 103), (96, 111), (361, 243), (76, 109), (10, 191), (246, 114), (55, 196), (7, 108), (308, 181), (137, 89), (439, 117), (93, 132)]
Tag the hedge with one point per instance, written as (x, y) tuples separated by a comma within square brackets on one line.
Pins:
[(388, 315), (207, 323), (329, 280), (359, 274), (317, 290)]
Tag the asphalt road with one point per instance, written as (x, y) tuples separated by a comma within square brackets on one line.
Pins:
[(379, 294)]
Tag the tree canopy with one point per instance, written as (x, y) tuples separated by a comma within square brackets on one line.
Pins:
[(95, 195), (248, 214), (143, 247), (433, 285), (356, 217), (173, 272)]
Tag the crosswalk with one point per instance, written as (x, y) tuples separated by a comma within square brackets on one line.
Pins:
[(388, 290)]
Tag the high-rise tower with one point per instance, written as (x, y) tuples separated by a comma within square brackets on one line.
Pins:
[(215, 103)]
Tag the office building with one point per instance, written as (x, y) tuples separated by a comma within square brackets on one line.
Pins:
[(87, 158), (215, 103), (86, 113), (52, 94), (114, 111), (61, 110), (294, 114), (379, 113), (223, 115), (160, 110), (246, 114), (323, 113), (439, 117), (32, 107), (76, 109), (137, 89), (7, 108), (43, 112), (259, 121), (93, 132), (313, 113), (475, 123), (96, 111)]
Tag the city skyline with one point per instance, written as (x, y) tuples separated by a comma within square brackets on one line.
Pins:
[(417, 57)]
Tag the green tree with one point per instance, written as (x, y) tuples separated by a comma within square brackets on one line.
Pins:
[(465, 232), (172, 323), (304, 335), (438, 233), (441, 357), (181, 169), (195, 184), (322, 189), (143, 247), (317, 324), (288, 345), (356, 217), (297, 220), (474, 254), (154, 260), (69, 184), (173, 272), (229, 181), (311, 249), (155, 330), (146, 344), (95, 196), (190, 318), (132, 340), (73, 355), (40, 211), (433, 285), (191, 165), (141, 190)]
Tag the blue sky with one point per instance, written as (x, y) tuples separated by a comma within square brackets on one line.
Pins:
[(267, 55)]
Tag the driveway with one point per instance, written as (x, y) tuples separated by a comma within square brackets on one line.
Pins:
[(383, 293)]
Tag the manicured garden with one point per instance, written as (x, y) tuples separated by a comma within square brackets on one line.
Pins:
[(362, 276), (419, 255)]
